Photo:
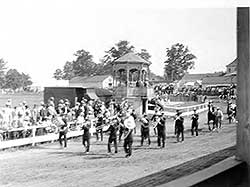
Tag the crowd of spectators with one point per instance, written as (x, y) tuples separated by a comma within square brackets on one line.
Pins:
[(15, 121), (192, 93)]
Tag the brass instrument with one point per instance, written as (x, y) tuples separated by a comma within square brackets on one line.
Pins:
[(155, 123), (126, 133)]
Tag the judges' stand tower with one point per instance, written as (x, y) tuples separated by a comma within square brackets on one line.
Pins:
[(131, 81)]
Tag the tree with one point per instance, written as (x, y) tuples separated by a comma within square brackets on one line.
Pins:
[(67, 73), (144, 54), (121, 48), (179, 60), (58, 75), (13, 79), (84, 65), (2, 72), (25, 80)]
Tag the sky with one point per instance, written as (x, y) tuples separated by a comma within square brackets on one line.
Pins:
[(37, 37)]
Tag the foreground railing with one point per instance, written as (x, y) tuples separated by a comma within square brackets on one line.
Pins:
[(36, 139), (31, 136)]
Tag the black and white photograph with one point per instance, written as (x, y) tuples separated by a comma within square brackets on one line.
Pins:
[(124, 93)]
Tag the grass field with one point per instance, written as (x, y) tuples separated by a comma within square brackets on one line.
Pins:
[(30, 98)]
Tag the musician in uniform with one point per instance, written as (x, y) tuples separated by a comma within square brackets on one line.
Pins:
[(86, 135), (210, 116), (99, 126), (194, 125), (121, 126), (113, 128), (135, 117), (179, 126), (154, 117), (63, 129), (145, 129), (161, 130), (129, 125)]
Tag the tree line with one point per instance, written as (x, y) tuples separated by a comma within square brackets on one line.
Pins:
[(12, 79), (178, 61)]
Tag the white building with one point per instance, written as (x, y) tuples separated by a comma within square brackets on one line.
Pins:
[(232, 67), (98, 81)]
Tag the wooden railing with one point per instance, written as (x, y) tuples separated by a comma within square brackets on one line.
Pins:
[(134, 91), (186, 110), (33, 138)]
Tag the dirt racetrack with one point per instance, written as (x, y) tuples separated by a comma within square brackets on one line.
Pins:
[(48, 165)]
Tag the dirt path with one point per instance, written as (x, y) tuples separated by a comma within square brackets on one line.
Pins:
[(187, 168), (48, 165)]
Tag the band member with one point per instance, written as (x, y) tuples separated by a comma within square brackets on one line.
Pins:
[(63, 129), (135, 117), (145, 129), (99, 126), (86, 135), (121, 126), (194, 126), (129, 125), (210, 116), (113, 128), (154, 117), (179, 126), (161, 130)]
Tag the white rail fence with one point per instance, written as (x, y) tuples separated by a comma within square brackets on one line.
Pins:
[(33, 138), (170, 111)]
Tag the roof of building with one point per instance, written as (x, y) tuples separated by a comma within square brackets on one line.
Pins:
[(196, 77), (89, 79), (220, 80), (77, 79), (101, 92), (234, 63), (201, 76), (131, 57)]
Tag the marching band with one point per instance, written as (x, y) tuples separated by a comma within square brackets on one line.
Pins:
[(124, 123), (120, 125)]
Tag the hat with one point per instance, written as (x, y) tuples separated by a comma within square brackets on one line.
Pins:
[(60, 105), (178, 112)]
